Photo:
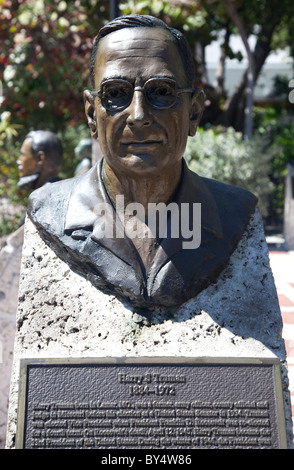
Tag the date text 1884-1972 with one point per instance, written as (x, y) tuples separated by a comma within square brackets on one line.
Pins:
[(151, 384)]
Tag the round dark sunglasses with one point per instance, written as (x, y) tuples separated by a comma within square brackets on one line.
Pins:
[(161, 93)]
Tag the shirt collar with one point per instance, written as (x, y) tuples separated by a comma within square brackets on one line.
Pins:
[(89, 191)]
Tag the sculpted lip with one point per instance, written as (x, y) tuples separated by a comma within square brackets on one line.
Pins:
[(141, 142)]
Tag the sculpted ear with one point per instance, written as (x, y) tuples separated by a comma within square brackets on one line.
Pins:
[(90, 113), (197, 107), (41, 157)]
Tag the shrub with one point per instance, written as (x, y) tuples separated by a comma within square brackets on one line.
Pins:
[(277, 128), (221, 154), (9, 151)]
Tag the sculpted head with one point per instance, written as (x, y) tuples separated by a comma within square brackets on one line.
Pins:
[(40, 158), (144, 104)]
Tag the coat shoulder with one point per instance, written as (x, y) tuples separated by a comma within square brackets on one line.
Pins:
[(47, 205), (232, 201)]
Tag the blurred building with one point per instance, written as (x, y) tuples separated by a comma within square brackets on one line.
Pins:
[(277, 64)]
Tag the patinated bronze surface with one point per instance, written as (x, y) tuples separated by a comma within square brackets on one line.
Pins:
[(40, 159), (143, 108)]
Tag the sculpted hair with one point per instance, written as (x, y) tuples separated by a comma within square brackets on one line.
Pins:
[(49, 143), (146, 21)]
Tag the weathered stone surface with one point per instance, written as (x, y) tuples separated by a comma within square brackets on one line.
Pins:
[(61, 314), (10, 259)]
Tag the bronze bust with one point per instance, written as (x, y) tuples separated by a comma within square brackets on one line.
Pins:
[(143, 108), (40, 159)]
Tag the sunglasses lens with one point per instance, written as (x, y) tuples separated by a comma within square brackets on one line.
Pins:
[(116, 95), (161, 93)]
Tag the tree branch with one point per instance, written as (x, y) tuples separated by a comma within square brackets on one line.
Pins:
[(251, 68)]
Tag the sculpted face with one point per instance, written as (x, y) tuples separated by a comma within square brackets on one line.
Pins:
[(139, 139), (27, 164)]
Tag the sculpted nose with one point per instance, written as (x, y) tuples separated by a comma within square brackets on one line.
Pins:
[(139, 112)]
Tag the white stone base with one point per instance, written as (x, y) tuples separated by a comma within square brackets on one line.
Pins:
[(61, 314), (10, 259)]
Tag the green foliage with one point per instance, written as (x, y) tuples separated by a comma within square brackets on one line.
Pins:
[(280, 87), (45, 49), (276, 125), (166, 10), (8, 224), (187, 17), (9, 174), (221, 154), (9, 150), (70, 138)]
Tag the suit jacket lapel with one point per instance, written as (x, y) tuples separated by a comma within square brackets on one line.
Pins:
[(192, 190), (90, 213)]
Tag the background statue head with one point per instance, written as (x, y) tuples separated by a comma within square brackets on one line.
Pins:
[(40, 159)]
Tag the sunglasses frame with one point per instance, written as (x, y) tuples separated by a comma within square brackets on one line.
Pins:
[(99, 93)]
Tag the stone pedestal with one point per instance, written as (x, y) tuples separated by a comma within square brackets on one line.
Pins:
[(61, 315), (10, 260)]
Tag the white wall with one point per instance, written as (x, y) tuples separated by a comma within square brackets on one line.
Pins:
[(278, 63)]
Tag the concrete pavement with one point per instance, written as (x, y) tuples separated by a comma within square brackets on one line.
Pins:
[(282, 265)]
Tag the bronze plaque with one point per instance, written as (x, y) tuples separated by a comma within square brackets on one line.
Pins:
[(151, 403)]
